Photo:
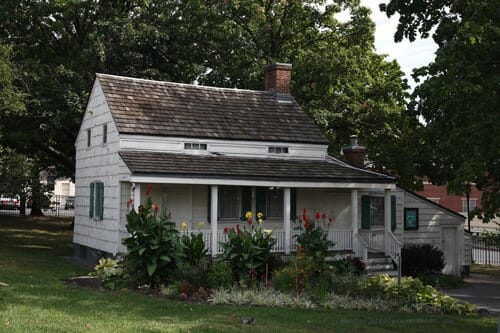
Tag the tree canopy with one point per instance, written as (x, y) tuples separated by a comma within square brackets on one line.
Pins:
[(457, 94), (338, 78)]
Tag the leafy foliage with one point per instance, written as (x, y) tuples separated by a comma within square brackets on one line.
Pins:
[(220, 275), (193, 249), (247, 252), (313, 240), (153, 248), (421, 259), (457, 95), (110, 273)]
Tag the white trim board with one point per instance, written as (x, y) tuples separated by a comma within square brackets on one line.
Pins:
[(240, 182)]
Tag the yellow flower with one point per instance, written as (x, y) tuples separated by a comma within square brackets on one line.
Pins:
[(201, 224), (260, 215), (260, 221), (184, 226), (248, 215)]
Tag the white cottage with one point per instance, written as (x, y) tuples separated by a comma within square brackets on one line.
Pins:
[(214, 153)]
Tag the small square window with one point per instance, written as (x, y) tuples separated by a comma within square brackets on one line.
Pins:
[(472, 204), (411, 219), (104, 133), (195, 146), (277, 150), (89, 134)]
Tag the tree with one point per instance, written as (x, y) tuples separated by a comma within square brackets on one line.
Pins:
[(457, 95), (337, 77)]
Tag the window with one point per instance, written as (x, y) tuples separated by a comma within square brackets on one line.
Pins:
[(89, 134), (96, 200), (372, 212), (278, 150), (104, 133), (274, 203), (195, 146), (229, 202), (472, 204), (411, 219)]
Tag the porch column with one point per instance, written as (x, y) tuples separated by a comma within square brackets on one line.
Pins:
[(136, 196), (387, 219), (354, 215), (286, 218), (214, 197)]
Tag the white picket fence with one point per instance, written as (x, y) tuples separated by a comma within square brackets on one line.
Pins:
[(341, 237)]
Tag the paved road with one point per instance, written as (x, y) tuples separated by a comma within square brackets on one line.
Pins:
[(482, 290)]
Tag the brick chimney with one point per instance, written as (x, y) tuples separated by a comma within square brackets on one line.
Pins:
[(354, 153), (278, 77)]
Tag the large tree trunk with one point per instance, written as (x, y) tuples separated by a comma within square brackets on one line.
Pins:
[(36, 199), (22, 206)]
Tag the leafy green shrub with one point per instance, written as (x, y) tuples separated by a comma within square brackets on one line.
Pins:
[(421, 259), (109, 272), (153, 246), (442, 281), (348, 265), (196, 276), (193, 249), (348, 284), (220, 275), (247, 253), (313, 240)]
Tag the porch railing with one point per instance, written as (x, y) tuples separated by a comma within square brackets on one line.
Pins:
[(341, 237), (394, 247), (360, 247), (374, 239)]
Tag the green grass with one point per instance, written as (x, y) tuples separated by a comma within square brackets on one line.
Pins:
[(37, 300), (486, 269)]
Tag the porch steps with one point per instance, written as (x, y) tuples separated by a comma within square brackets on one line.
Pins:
[(378, 264)]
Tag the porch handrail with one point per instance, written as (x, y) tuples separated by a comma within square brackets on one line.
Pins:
[(394, 246), (360, 247)]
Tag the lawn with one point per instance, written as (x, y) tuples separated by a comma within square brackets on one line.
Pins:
[(486, 269), (37, 300)]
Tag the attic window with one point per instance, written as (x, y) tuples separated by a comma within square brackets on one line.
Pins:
[(278, 150), (89, 135), (195, 146), (104, 134)]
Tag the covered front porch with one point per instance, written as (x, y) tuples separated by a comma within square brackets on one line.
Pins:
[(210, 208)]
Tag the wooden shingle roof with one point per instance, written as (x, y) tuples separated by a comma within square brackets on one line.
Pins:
[(148, 107), (240, 168)]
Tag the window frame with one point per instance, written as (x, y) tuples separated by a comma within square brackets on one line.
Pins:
[(280, 194), (411, 210), (104, 134), (96, 202), (464, 204), (89, 137), (278, 150), (237, 208), (195, 146)]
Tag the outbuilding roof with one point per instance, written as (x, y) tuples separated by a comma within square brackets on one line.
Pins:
[(230, 167), (160, 108)]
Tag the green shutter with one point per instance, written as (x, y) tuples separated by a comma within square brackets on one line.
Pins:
[(261, 201), (209, 203), (101, 200), (365, 211), (246, 201), (91, 200), (293, 203), (393, 212)]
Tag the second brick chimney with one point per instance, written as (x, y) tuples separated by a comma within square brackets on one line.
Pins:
[(354, 153), (278, 77)]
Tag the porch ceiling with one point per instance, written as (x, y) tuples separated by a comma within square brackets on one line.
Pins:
[(143, 163)]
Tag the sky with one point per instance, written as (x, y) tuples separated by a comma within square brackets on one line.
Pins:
[(409, 55)]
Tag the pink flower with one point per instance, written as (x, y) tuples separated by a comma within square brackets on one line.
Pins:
[(150, 187)]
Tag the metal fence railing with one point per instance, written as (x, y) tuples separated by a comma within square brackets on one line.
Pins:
[(485, 252), (57, 205)]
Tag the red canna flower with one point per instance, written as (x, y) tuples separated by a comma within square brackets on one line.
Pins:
[(307, 225), (169, 215), (250, 221), (318, 215), (304, 211), (226, 230), (130, 202), (323, 216), (156, 208), (150, 187), (330, 219), (238, 229)]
